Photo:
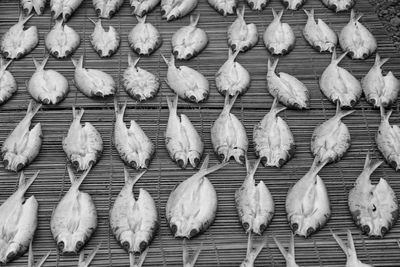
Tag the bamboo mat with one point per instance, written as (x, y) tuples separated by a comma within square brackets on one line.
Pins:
[(224, 244)]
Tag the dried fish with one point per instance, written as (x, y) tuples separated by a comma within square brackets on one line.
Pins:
[(47, 86), (288, 255), (107, 8), (242, 36), (105, 43), (22, 145), (183, 143), (64, 8), (286, 88), (86, 262), (62, 40), (190, 260), (257, 4), (175, 9), (252, 253), (144, 38), (339, 5), (232, 78), (37, 5), (273, 141), (8, 84), (143, 7), (17, 42), (224, 7), (293, 4), (31, 260)]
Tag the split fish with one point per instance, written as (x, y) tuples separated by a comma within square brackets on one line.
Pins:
[(62, 40), (8, 84), (107, 8), (64, 8), (144, 38), (105, 43), (175, 9), (143, 7), (288, 255), (242, 36)]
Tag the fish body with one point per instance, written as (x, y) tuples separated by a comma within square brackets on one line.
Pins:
[(224, 7), (144, 38), (279, 38), (37, 5), (252, 252), (254, 203), (8, 84), (186, 82), (339, 5), (318, 34), (242, 36), (175, 9), (74, 219), (18, 221), (83, 144), (273, 139), (64, 8), (380, 90), (232, 78), (105, 43), (47, 86), (286, 88), (257, 4), (106, 9), (92, 82), (192, 205), (339, 85), (183, 143), (293, 4), (307, 203), (356, 39), (143, 7), (288, 255), (134, 222), (62, 40), (189, 41), (23, 144), (17, 42), (228, 135)]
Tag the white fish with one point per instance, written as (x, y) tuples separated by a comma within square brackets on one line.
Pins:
[(339, 85), (175, 9), (132, 144), (47, 86), (86, 262), (380, 90), (143, 7), (318, 34), (224, 7), (350, 251), (252, 253), (18, 221), (191, 207), (257, 4), (388, 140), (228, 135), (288, 255), (331, 139), (37, 5), (279, 38), (186, 82), (92, 82), (307, 203), (31, 259), (286, 88), (242, 36), (375, 208), (254, 203), (64, 8), (139, 83), (356, 39), (293, 4), (17, 42), (8, 84), (273, 140), (74, 219), (339, 5), (144, 38), (62, 40), (23, 144), (183, 143), (83, 144), (232, 78), (190, 260), (107, 8), (134, 222), (189, 41), (105, 43)]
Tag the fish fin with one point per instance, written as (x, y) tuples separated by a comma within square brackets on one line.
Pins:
[(186, 258), (173, 104), (132, 62), (205, 162), (291, 246), (380, 62), (40, 66), (385, 116), (281, 248), (86, 262), (24, 20), (77, 181), (275, 108), (310, 13), (277, 15), (204, 172), (119, 110), (272, 65), (340, 243), (369, 165), (133, 180), (141, 19), (79, 63), (340, 113), (24, 184), (42, 260), (240, 12), (32, 109), (194, 20)]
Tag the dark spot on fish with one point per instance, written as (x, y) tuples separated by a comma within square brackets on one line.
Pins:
[(242, 159), (180, 163), (55, 53), (193, 233), (100, 52), (162, 11), (295, 226), (60, 246), (251, 5), (393, 164), (318, 48), (20, 166), (188, 56), (111, 13), (384, 230), (285, 4), (143, 13), (245, 48), (271, 49), (59, 98), (373, 208), (99, 94), (126, 245), (19, 55), (67, 53), (98, 11), (233, 9), (147, 162), (175, 53), (53, 13), (353, 102), (143, 245), (196, 162), (334, 7), (310, 231), (110, 52), (366, 229), (46, 101), (262, 228), (296, 106), (263, 5), (137, 50), (298, 6), (365, 55), (193, 98), (174, 228), (79, 245), (221, 11), (205, 95), (284, 51), (137, 97), (11, 255), (373, 101), (26, 10), (351, 54), (75, 164), (223, 92), (246, 226), (233, 46), (150, 50), (172, 17), (67, 16), (264, 161), (5, 162), (221, 157), (6, 54), (133, 164), (281, 162)]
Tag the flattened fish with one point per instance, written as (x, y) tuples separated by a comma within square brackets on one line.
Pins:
[(23, 144), (286, 88), (140, 84), (83, 144), (189, 260), (356, 39), (189, 41), (105, 43), (47, 86), (18, 221), (144, 38), (252, 252), (31, 259), (232, 78), (74, 219), (279, 38), (228, 135), (8, 84), (257, 4), (380, 90), (192, 205), (175, 9), (339, 85), (106, 9), (273, 140), (224, 7), (242, 36), (307, 203), (288, 255), (318, 34), (339, 5), (17, 42), (37, 5), (64, 8), (183, 143), (186, 82), (143, 7), (62, 40), (293, 4)]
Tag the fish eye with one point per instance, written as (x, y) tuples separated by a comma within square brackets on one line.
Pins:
[(295, 226), (262, 227), (143, 245), (174, 228), (246, 226), (384, 230), (310, 231), (193, 232), (366, 229), (60, 245), (11, 255), (126, 245), (79, 245)]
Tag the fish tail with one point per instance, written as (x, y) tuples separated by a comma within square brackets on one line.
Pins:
[(272, 65), (4, 66), (281, 248), (370, 166), (204, 166), (24, 184), (31, 261), (132, 180), (353, 16), (77, 115), (141, 19), (275, 109), (119, 110), (187, 259), (228, 103), (317, 166), (385, 117), (310, 13), (132, 62), (194, 20), (173, 104), (79, 63), (204, 172), (350, 243), (170, 62), (240, 12), (22, 19), (141, 260), (277, 15), (86, 262), (291, 246), (252, 168), (32, 110), (40, 66), (94, 22), (232, 56), (340, 243), (77, 181), (380, 62), (253, 253), (341, 113)]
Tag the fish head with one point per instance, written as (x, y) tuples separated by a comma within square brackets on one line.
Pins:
[(293, 4), (362, 52), (338, 6), (81, 163), (304, 226), (197, 95), (179, 51), (68, 243), (257, 4), (181, 159), (14, 162), (106, 11), (194, 158), (11, 251), (185, 227), (223, 153), (135, 242)]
